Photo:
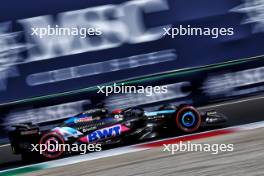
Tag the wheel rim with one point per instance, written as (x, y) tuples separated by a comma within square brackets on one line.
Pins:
[(188, 119), (55, 139)]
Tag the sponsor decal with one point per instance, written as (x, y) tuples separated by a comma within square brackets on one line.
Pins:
[(29, 132), (84, 130), (85, 119), (67, 132), (104, 133)]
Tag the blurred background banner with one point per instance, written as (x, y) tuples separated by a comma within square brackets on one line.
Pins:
[(132, 44)]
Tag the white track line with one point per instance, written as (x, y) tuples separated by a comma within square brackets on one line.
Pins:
[(5, 145), (232, 102)]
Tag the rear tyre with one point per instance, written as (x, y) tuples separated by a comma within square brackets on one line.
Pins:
[(188, 119), (53, 143)]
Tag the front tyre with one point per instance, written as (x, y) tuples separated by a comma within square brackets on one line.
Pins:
[(188, 119)]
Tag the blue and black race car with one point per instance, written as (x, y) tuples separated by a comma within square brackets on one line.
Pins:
[(121, 126)]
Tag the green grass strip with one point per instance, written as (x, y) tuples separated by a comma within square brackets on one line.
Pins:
[(22, 170)]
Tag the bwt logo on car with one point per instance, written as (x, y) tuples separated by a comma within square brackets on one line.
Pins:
[(104, 133)]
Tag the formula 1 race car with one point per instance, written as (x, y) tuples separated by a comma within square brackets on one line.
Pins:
[(98, 126)]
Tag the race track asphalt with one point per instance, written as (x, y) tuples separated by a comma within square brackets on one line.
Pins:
[(246, 159)]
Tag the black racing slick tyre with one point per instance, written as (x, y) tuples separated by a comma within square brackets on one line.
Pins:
[(188, 119), (53, 145)]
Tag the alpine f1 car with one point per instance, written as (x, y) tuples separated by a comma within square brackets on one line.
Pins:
[(119, 126)]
